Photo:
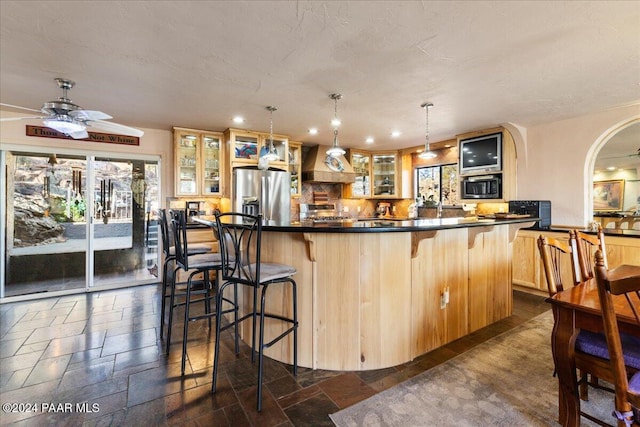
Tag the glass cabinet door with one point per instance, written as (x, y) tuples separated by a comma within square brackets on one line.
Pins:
[(187, 164), (384, 174), (211, 164), (361, 166), (245, 147), (295, 167)]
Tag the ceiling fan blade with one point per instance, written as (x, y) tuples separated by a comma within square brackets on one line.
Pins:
[(81, 134), (17, 107), (9, 119), (89, 115), (115, 128)]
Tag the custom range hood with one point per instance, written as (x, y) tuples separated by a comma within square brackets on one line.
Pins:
[(318, 166)]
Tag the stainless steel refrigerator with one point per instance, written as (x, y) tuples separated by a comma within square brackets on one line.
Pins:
[(263, 191)]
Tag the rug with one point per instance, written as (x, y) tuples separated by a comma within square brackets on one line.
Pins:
[(505, 381)]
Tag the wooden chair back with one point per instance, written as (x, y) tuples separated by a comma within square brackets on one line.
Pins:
[(630, 288), (584, 247), (552, 252)]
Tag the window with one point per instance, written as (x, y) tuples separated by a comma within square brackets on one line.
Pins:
[(437, 184)]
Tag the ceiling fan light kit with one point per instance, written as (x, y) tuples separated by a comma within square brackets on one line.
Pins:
[(70, 119)]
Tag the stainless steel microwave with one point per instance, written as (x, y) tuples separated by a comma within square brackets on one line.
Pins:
[(482, 187)]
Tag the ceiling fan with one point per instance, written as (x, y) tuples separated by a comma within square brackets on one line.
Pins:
[(66, 117)]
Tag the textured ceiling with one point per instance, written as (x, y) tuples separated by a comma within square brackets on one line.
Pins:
[(197, 64)]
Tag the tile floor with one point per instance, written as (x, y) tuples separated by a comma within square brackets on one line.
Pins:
[(96, 359)]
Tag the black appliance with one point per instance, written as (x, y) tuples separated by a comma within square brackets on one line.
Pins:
[(536, 208), (482, 187)]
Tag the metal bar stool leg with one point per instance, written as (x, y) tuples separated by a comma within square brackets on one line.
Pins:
[(172, 304)]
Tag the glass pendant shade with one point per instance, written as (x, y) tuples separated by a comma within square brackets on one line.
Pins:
[(427, 153), (335, 149), (271, 155)]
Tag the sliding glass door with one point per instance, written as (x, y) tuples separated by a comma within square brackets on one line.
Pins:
[(77, 221)]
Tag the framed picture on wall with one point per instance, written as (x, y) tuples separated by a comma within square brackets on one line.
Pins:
[(608, 195)]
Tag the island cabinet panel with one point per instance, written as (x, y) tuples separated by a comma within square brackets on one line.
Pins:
[(490, 296), (385, 299), (440, 264), (337, 297), (362, 299)]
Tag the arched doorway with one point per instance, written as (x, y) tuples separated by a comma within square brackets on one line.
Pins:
[(614, 177)]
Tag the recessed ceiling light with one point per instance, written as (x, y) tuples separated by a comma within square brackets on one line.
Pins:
[(395, 134), (313, 131), (369, 140), (611, 168), (448, 146), (238, 119)]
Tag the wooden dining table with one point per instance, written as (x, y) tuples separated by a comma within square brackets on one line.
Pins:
[(575, 309)]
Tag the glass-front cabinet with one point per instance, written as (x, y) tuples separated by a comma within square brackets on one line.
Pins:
[(361, 164), (211, 150), (198, 166), (295, 167), (245, 148), (384, 174)]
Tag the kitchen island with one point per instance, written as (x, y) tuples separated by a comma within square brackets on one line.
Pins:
[(375, 294)]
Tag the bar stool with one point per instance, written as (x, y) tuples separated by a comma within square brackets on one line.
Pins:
[(169, 251), (195, 264), (240, 238)]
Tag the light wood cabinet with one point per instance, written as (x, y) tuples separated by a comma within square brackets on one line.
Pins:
[(361, 163), (385, 174), (436, 319), (244, 148), (199, 169), (295, 167), (378, 175)]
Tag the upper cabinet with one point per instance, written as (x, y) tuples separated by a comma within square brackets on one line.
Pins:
[(377, 175), (245, 148), (361, 163), (199, 169), (295, 167), (384, 174)]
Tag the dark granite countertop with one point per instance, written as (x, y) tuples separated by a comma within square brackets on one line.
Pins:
[(382, 225)]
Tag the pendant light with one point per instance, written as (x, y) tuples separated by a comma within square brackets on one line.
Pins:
[(335, 150), (271, 155), (427, 153)]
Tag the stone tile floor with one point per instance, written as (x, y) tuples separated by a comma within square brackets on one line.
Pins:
[(96, 359)]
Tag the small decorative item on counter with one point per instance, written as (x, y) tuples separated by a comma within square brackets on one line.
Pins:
[(413, 211)]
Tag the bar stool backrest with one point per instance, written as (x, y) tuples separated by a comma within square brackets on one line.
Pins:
[(165, 234), (179, 226), (239, 238)]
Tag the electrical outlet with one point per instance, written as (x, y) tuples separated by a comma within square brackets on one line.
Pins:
[(443, 303), (446, 295)]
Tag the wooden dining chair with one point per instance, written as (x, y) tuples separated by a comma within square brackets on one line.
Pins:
[(585, 246), (627, 385), (588, 345)]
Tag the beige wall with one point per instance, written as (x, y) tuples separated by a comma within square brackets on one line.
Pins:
[(555, 161), (153, 142)]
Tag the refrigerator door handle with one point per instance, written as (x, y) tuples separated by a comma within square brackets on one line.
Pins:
[(266, 203)]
